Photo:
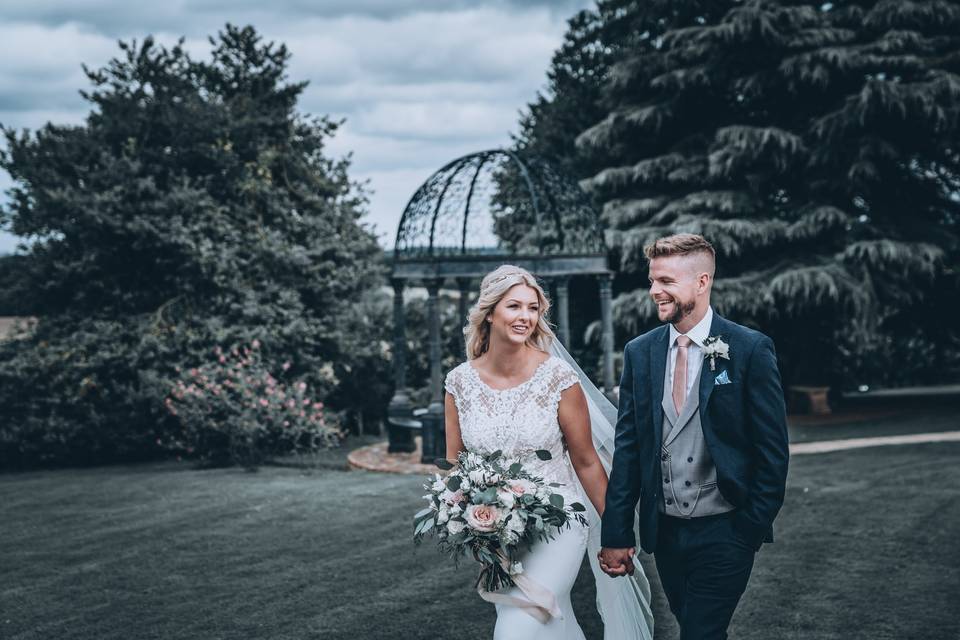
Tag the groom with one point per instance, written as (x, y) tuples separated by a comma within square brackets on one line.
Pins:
[(701, 445)]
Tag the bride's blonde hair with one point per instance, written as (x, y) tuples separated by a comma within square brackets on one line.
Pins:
[(493, 288)]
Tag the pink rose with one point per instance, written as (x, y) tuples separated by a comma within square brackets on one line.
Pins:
[(520, 487), (482, 517)]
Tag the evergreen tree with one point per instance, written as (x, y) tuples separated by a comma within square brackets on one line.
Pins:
[(194, 207), (815, 145), (580, 70)]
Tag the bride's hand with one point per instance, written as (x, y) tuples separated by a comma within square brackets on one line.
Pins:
[(617, 562)]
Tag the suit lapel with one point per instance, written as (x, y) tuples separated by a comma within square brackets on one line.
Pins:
[(658, 367), (708, 377)]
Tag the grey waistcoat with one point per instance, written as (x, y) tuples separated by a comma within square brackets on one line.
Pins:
[(689, 475)]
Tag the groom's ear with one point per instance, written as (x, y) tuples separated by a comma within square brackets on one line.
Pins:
[(704, 281)]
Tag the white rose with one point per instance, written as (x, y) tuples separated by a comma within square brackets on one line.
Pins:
[(438, 485), (506, 498), (477, 476), (516, 524), (443, 514), (455, 526), (492, 479), (455, 510)]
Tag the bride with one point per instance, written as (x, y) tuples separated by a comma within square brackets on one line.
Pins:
[(519, 391)]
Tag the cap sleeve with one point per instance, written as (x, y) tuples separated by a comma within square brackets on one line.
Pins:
[(565, 376), (452, 383)]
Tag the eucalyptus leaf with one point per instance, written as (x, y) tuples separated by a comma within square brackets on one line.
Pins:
[(543, 454)]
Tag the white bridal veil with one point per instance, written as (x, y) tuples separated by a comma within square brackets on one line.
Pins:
[(623, 603)]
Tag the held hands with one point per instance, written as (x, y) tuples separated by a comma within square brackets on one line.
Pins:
[(617, 562)]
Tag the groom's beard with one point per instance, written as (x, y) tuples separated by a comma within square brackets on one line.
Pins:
[(681, 311)]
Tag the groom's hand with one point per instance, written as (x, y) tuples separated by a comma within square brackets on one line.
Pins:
[(617, 562)]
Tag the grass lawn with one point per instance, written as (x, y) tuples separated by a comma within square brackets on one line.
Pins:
[(867, 548)]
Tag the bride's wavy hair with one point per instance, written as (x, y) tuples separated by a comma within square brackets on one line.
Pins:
[(493, 288)]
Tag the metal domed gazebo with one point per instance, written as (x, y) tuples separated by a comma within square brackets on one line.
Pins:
[(474, 214)]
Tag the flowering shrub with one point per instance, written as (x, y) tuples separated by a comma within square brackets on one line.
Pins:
[(234, 411)]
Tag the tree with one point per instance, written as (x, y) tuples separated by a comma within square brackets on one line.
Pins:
[(194, 207), (575, 99), (580, 71), (816, 146)]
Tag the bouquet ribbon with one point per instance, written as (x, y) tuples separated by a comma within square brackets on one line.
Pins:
[(540, 603)]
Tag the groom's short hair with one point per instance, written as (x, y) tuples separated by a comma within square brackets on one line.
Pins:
[(680, 244)]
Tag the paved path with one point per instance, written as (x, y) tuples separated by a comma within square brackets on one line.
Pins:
[(375, 457), (826, 446)]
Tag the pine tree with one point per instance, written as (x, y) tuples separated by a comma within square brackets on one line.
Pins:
[(580, 70), (815, 145), (194, 207)]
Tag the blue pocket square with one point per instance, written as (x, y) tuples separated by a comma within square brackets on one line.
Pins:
[(723, 378)]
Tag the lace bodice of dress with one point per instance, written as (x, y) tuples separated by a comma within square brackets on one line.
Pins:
[(518, 420)]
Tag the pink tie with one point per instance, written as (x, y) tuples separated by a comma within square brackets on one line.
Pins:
[(680, 373)]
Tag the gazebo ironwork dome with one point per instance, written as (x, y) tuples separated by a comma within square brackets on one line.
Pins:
[(477, 212)]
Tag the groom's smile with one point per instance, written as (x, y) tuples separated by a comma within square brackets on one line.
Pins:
[(680, 287)]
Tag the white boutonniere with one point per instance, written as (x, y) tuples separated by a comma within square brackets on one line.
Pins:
[(714, 347)]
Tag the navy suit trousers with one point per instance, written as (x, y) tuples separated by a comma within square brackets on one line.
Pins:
[(704, 566)]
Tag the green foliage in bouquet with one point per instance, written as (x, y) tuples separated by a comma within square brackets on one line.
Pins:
[(232, 410), (491, 508), (194, 207)]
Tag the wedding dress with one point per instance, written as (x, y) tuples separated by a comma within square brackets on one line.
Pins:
[(518, 421)]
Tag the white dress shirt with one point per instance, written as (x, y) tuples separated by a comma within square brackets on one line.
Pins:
[(694, 356)]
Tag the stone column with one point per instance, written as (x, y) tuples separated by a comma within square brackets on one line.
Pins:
[(400, 412), (464, 285), (433, 324), (606, 335), (434, 441), (563, 310)]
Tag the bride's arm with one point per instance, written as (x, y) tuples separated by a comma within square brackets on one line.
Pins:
[(574, 418), (452, 427)]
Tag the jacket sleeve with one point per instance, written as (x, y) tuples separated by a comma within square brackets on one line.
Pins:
[(770, 451), (623, 488)]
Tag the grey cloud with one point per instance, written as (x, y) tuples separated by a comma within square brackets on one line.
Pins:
[(419, 83), (118, 18)]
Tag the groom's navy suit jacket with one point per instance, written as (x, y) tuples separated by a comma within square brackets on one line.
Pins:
[(744, 428)]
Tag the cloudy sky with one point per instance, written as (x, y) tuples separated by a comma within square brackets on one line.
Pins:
[(419, 82)]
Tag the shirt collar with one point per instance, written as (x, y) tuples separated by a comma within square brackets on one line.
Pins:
[(699, 333)]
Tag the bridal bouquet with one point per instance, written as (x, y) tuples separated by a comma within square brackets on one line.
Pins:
[(491, 508)]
